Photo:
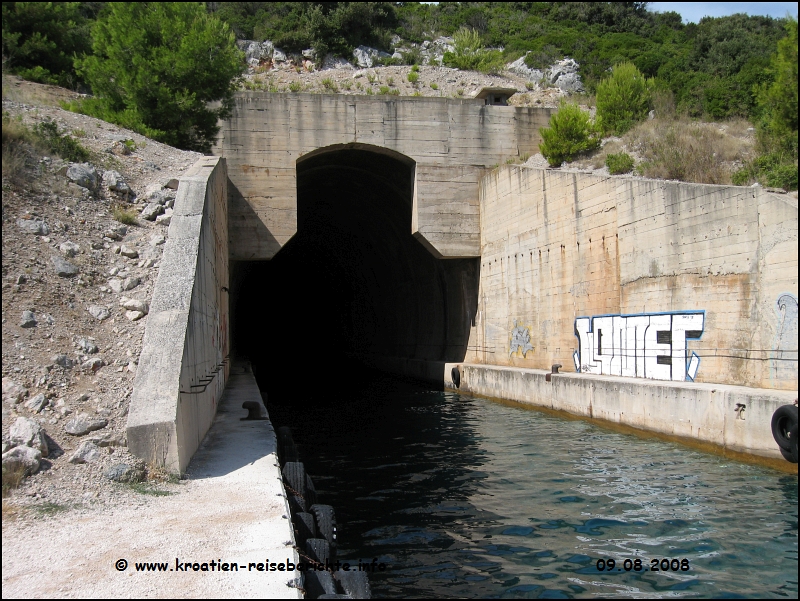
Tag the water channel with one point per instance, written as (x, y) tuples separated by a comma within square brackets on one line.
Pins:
[(468, 498)]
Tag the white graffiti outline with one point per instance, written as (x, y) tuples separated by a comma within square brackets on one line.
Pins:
[(643, 345)]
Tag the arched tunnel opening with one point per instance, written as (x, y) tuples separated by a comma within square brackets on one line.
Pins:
[(353, 283)]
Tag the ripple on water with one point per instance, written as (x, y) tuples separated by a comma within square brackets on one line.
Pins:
[(463, 497)]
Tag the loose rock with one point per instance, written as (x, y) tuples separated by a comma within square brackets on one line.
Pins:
[(37, 403), (69, 249), (27, 432), (92, 365), (23, 460), (87, 346), (127, 251), (99, 313), (31, 226), (83, 423), (28, 320), (152, 210), (83, 174), (88, 452), (122, 472), (64, 268), (13, 391)]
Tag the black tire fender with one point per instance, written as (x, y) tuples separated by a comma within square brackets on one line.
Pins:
[(354, 584), (294, 473), (318, 583), (311, 491), (304, 526), (783, 420), (455, 376), (326, 522), (319, 550)]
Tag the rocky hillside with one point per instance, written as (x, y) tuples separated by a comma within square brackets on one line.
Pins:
[(271, 69), (76, 284)]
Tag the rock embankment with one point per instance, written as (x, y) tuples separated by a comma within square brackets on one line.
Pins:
[(76, 283)]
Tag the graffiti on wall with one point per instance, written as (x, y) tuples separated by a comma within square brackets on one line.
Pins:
[(520, 340), (647, 345), (784, 364)]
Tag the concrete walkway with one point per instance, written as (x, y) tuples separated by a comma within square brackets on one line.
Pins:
[(232, 510)]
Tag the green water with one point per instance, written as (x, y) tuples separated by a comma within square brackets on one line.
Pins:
[(463, 497)]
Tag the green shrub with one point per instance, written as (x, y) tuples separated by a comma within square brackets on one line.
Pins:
[(60, 143), (623, 99), (329, 85), (295, 86), (571, 133), (415, 68), (434, 85), (470, 55), (383, 90), (618, 163), (774, 170), (413, 77)]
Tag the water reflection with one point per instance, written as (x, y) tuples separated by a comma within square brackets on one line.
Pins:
[(463, 497)]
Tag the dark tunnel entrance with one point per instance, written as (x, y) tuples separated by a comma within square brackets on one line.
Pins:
[(352, 282)]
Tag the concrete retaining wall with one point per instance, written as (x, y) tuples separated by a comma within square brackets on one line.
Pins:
[(557, 246), (710, 413), (183, 365)]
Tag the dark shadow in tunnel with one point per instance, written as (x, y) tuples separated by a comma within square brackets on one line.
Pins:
[(353, 282)]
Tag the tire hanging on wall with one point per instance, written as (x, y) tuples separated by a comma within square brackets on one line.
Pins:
[(294, 473), (354, 584), (326, 522), (783, 420), (304, 526)]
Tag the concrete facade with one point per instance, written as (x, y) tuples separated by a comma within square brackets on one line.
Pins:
[(451, 141), (557, 247), (184, 366)]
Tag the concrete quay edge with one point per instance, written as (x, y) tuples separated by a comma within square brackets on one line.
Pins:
[(701, 415)]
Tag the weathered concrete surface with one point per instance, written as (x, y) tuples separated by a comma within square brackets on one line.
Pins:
[(183, 365), (451, 141), (701, 412), (556, 246), (230, 509)]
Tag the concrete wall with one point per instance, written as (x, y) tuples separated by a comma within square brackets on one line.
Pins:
[(559, 246), (183, 365), (451, 141), (731, 417)]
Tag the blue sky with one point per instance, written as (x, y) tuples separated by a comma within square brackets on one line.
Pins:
[(692, 12)]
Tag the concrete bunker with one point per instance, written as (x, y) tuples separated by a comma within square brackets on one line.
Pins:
[(353, 282)]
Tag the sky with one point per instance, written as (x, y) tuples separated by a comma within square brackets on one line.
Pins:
[(692, 12)]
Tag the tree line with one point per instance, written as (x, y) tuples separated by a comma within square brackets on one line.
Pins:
[(155, 67)]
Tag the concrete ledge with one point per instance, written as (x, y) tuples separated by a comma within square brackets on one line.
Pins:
[(705, 413)]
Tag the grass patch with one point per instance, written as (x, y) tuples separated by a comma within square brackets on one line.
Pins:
[(144, 488), (434, 85), (48, 508), (383, 90), (12, 479), (686, 151), (329, 85), (413, 77), (121, 215)]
